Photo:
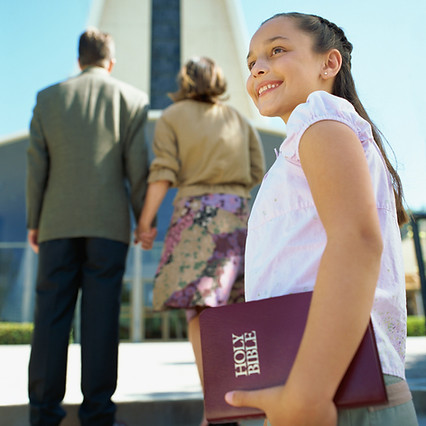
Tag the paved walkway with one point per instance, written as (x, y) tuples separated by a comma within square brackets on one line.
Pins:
[(158, 383)]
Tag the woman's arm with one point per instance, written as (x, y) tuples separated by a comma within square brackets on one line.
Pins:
[(335, 166), (145, 233)]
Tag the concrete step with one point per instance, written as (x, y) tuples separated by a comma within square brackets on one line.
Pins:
[(158, 384)]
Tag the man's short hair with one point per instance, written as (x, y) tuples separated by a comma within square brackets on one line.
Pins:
[(96, 48)]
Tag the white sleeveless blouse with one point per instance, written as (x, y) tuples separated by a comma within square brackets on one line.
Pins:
[(286, 238)]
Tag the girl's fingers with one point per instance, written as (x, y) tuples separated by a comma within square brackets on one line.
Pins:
[(246, 398)]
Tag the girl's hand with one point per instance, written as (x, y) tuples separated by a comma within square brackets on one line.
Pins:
[(285, 408)]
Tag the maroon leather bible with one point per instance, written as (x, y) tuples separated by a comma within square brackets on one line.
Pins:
[(253, 345)]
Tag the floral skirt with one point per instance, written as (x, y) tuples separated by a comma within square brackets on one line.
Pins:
[(202, 263)]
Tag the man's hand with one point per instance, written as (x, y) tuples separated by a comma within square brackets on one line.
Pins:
[(33, 239)]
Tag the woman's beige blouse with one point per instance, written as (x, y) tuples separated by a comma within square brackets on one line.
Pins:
[(204, 148)]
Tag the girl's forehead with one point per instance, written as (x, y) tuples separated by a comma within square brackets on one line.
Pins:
[(280, 27), (277, 27)]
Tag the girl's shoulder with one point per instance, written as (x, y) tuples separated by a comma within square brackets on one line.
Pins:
[(322, 105)]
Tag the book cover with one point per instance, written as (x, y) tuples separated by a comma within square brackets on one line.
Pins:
[(252, 345)]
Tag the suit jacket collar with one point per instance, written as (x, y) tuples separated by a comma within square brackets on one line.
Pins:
[(93, 69)]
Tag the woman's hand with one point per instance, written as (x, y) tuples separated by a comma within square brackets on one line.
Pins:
[(285, 408), (145, 233), (146, 236)]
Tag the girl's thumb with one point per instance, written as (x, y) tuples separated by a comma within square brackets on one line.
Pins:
[(242, 398)]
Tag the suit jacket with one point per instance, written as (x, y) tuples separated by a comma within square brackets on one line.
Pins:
[(87, 154)]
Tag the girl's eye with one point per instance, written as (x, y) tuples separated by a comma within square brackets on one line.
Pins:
[(250, 65), (277, 50)]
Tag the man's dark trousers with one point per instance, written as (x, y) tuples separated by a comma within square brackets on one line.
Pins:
[(96, 265)]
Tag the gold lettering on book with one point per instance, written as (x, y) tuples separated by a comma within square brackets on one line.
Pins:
[(246, 355)]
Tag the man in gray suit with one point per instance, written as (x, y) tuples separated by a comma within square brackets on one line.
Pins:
[(86, 158)]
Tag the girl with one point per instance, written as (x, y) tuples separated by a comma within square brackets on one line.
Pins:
[(325, 219), (213, 156)]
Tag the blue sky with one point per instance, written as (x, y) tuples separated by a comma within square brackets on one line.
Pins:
[(39, 47)]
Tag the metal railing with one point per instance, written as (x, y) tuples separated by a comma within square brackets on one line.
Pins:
[(18, 268), (418, 226)]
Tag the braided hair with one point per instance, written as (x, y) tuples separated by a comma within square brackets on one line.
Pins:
[(326, 36)]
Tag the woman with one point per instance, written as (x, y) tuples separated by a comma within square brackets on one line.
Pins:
[(213, 156)]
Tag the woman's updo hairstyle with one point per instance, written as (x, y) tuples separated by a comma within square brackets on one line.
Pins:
[(200, 79)]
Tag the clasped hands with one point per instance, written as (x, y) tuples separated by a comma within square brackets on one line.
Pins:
[(146, 236)]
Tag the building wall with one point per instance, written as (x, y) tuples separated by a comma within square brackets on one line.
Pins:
[(214, 28), (129, 22), (12, 188)]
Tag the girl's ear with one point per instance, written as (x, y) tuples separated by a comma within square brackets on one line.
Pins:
[(332, 65)]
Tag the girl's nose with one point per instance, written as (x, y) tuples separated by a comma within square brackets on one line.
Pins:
[(259, 68)]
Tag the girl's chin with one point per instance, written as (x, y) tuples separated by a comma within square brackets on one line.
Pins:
[(267, 109), (268, 112)]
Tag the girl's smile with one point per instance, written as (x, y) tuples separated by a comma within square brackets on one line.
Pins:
[(266, 87)]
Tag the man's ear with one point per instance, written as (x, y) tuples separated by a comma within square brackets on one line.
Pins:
[(333, 63), (111, 65)]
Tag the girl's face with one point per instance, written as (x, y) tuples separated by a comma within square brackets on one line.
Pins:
[(284, 69)]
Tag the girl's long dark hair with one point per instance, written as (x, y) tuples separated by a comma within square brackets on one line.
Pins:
[(327, 36)]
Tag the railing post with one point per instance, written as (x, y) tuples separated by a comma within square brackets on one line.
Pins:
[(137, 294), (77, 319), (419, 256), (29, 277)]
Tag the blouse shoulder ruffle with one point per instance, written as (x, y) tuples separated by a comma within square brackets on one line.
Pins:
[(321, 106)]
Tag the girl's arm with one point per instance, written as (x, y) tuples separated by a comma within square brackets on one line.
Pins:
[(155, 194), (335, 166)]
